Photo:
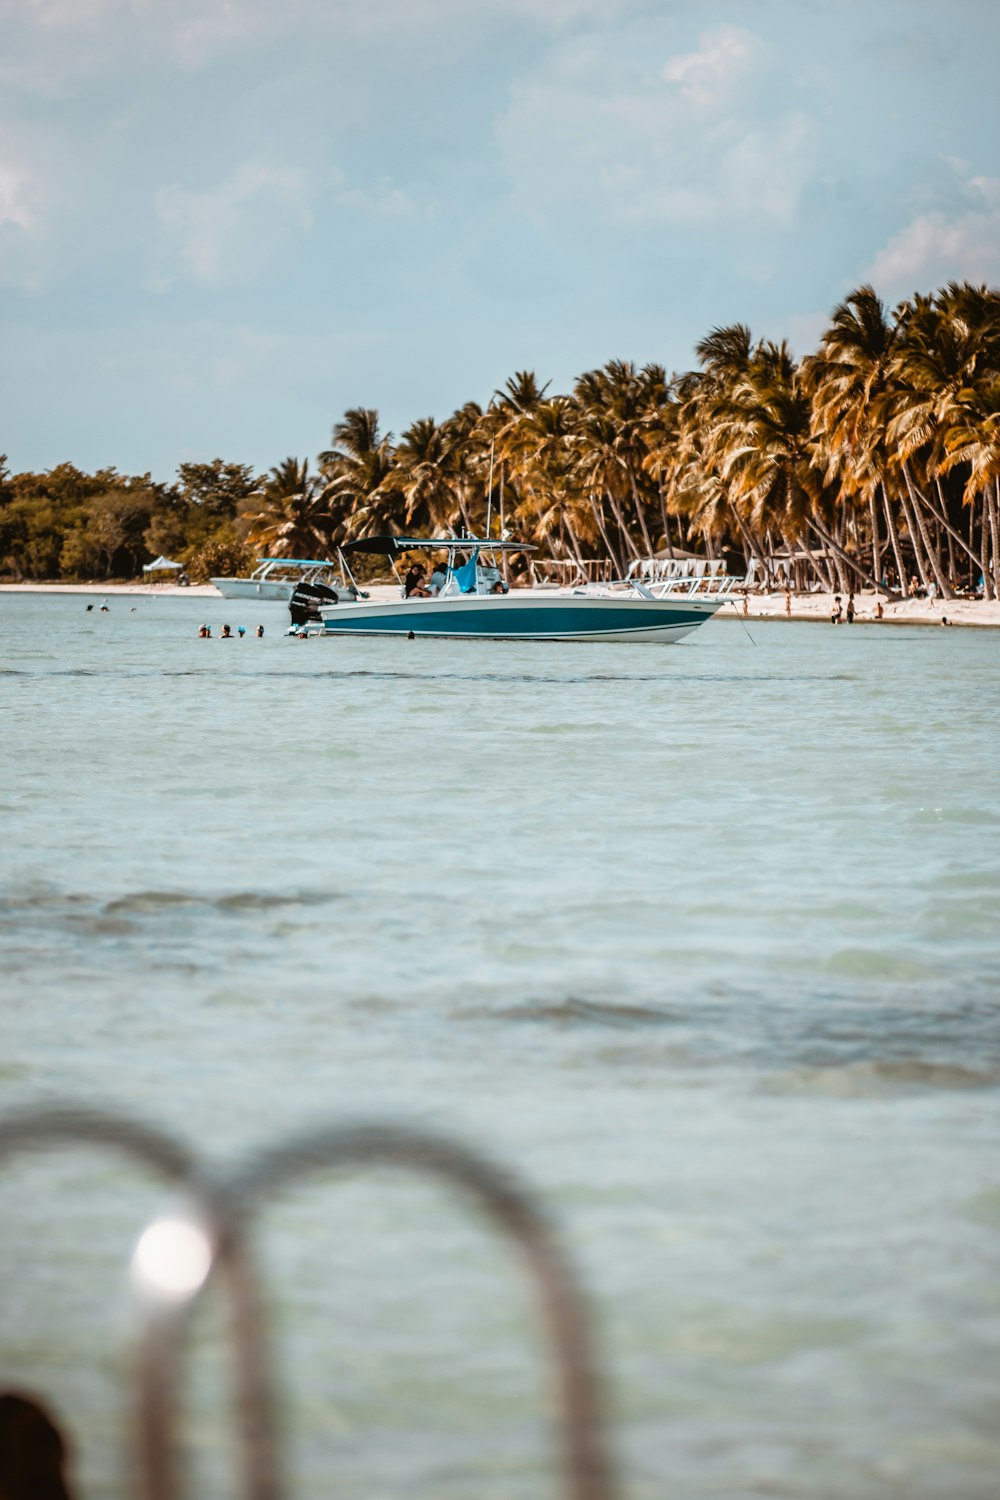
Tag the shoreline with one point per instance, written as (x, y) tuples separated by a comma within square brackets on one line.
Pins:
[(969, 613)]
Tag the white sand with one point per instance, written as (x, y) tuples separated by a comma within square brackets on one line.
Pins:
[(906, 612)]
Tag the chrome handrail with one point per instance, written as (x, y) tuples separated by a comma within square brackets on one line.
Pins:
[(225, 1204)]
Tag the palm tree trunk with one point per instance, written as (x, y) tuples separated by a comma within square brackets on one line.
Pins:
[(667, 538), (845, 557), (620, 520), (876, 538), (823, 575), (952, 533), (890, 526), (572, 543), (911, 527), (995, 535), (607, 540), (918, 500), (984, 548), (637, 502), (750, 542)]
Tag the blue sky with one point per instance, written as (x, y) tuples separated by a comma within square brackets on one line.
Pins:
[(224, 221)]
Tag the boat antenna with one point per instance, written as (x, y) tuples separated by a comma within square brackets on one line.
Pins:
[(489, 495)]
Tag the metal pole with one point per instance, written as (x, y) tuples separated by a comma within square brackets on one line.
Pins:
[(489, 497)]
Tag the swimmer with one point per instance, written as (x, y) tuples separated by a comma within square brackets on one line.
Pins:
[(259, 631), (227, 634), (241, 631), (89, 608)]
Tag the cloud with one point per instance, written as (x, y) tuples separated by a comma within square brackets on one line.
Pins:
[(229, 233), (16, 194), (607, 134), (706, 77), (383, 199), (210, 29), (942, 245)]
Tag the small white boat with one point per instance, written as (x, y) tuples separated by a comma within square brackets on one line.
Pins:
[(278, 577), (471, 600)]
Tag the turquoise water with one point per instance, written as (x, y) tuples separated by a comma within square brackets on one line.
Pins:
[(701, 939)]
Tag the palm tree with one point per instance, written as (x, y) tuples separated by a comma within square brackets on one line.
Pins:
[(425, 472), (289, 516), (540, 451), (846, 378), (356, 470)]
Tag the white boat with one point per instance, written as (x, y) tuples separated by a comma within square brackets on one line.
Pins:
[(472, 601), (277, 578)]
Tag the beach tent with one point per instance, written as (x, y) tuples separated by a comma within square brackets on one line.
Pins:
[(161, 564)]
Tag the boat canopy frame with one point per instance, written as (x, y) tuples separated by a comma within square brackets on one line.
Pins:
[(394, 546)]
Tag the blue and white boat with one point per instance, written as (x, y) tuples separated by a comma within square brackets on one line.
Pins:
[(467, 597)]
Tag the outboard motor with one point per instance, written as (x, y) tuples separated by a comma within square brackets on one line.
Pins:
[(306, 599)]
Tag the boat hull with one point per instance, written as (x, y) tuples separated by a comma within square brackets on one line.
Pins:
[(249, 588), (524, 617)]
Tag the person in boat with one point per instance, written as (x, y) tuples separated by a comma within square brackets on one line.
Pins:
[(439, 577), (413, 584)]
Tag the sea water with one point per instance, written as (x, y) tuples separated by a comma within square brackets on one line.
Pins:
[(701, 941)]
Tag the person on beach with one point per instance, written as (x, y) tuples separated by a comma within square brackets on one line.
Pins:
[(788, 603), (945, 620), (259, 631), (835, 618), (33, 1451), (227, 634), (879, 611), (850, 609)]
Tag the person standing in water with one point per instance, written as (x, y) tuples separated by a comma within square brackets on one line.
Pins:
[(850, 608)]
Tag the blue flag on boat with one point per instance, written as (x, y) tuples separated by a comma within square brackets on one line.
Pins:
[(465, 576)]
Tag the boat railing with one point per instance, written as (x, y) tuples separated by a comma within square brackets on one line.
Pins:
[(682, 585), (208, 1241)]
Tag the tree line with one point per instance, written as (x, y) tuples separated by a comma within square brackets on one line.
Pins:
[(873, 461)]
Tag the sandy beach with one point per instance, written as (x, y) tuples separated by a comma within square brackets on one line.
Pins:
[(975, 612), (970, 612)]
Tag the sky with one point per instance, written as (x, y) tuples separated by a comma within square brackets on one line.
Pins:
[(223, 222)]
